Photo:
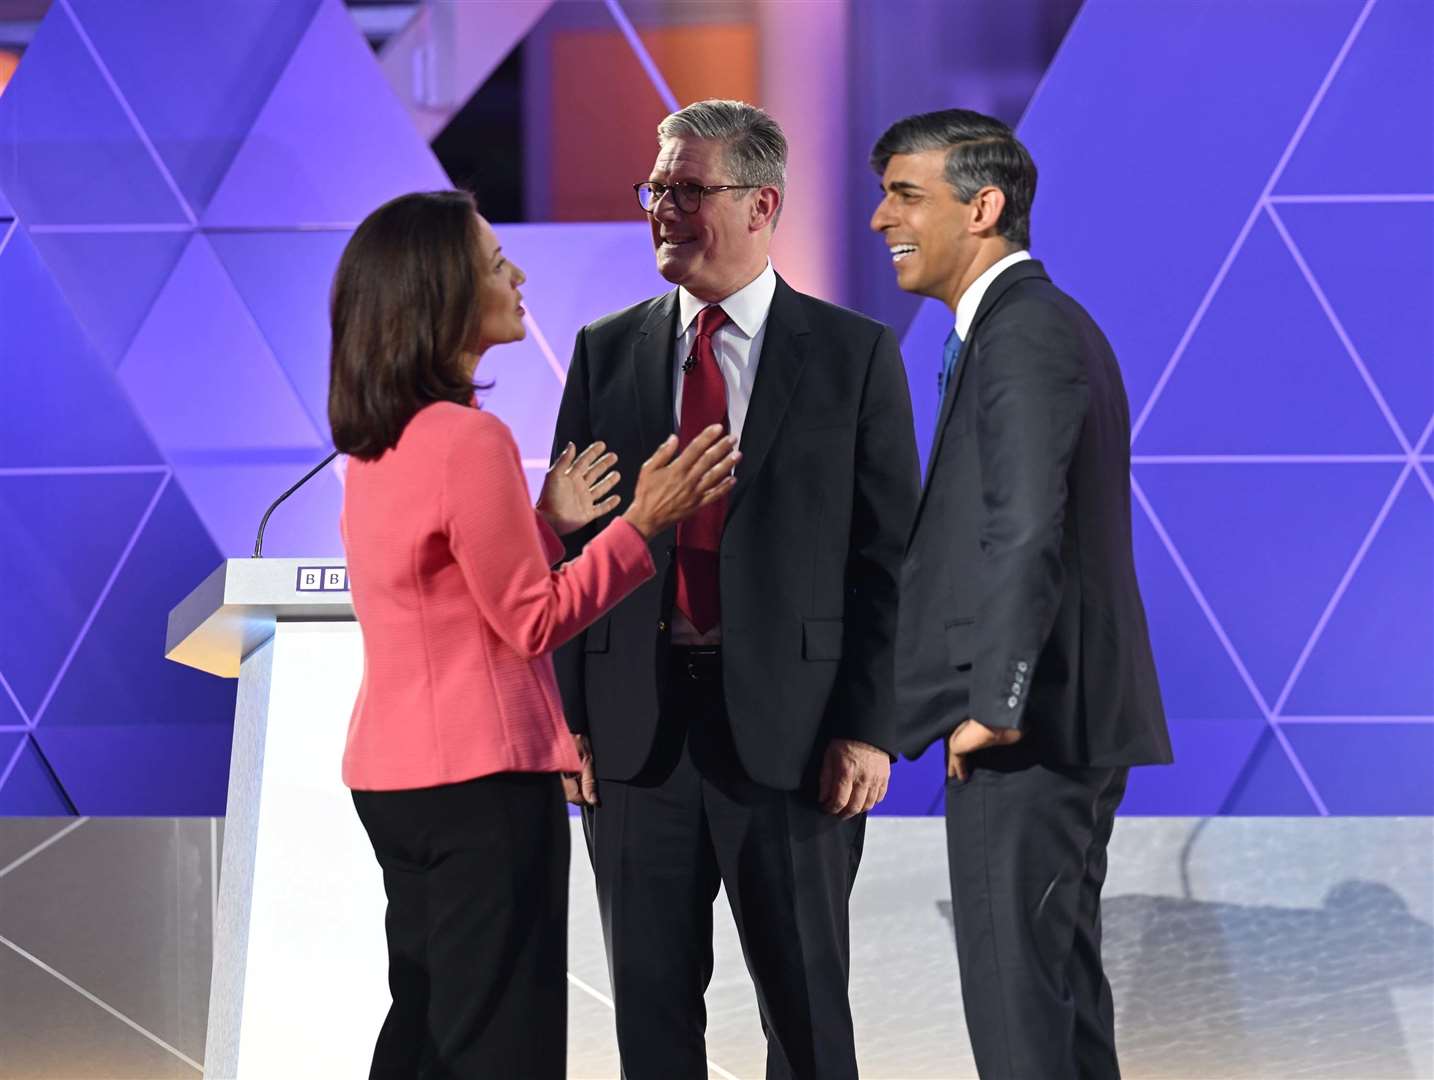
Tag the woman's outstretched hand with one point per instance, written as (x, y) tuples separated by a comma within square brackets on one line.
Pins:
[(673, 486), (575, 491)]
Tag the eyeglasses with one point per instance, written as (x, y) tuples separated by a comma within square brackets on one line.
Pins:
[(688, 196)]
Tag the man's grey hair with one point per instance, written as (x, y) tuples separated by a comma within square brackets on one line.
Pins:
[(756, 147)]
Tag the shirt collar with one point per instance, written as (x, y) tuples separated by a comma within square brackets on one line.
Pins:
[(747, 308), (970, 301)]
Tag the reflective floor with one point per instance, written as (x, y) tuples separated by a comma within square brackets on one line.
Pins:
[(1237, 947)]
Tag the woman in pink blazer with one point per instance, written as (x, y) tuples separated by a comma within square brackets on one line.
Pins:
[(457, 739)]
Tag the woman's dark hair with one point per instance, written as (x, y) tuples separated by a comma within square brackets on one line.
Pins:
[(404, 309), (980, 152)]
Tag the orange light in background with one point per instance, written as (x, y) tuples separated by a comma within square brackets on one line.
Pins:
[(605, 110), (9, 61)]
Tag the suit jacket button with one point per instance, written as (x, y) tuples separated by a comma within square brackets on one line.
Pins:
[(661, 625)]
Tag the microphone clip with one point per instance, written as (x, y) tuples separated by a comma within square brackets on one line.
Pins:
[(689, 363)]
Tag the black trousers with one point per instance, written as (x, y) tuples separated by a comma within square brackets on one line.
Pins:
[(1027, 848), (477, 880), (662, 844)]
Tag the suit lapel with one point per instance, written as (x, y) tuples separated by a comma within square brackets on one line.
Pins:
[(778, 369), (1029, 268), (652, 360)]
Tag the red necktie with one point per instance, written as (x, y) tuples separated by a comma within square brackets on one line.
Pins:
[(704, 402)]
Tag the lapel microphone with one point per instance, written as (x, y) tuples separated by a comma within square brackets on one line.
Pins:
[(689, 363)]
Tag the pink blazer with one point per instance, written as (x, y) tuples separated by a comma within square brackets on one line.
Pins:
[(450, 569)]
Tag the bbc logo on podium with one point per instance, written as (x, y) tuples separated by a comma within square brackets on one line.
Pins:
[(323, 579)]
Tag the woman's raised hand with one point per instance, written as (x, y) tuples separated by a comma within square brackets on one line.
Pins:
[(673, 486), (574, 489)]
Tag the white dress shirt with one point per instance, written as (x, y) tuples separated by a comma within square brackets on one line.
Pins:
[(971, 299), (738, 345)]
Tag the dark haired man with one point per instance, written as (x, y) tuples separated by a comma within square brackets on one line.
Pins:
[(1021, 636)]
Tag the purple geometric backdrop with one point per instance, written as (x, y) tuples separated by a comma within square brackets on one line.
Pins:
[(1249, 216), (1248, 211)]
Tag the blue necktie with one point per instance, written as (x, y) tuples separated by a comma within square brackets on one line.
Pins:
[(951, 355)]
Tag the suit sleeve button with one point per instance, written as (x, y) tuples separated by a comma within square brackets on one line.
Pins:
[(1011, 703)]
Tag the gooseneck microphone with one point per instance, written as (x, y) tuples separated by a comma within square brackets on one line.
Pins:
[(259, 540)]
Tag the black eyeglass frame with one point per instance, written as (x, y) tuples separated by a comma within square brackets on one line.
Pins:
[(702, 190)]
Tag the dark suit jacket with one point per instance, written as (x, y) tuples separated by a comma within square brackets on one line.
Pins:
[(1019, 602), (810, 551)]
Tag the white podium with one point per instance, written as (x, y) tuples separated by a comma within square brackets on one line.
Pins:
[(300, 982)]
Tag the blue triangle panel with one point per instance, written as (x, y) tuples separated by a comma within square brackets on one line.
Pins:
[(143, 770), (1165, 91), (1374, 657), (64, 536), (10, 716), (1198, 679), (68, 153), (1381, 289), (201, 374), (1265, 372), (61, 405), (1209, 756), (1268, 785), (219, 65), (1268, 545), (119, 675), (1384, 92), (916, 786), (331, 143), (30, 790), (1369, 768), (230, 498), (6, 210), (292, 307), (111, 280)]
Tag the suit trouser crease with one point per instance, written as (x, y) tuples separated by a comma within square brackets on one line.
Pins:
[(1027, 849), (664, 842)]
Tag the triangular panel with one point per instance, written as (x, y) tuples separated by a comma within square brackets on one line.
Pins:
[(1269, 785), (1371, 132), (202, 375), (71, 412), (1379, 287), (1209, 756), (227, 58), (1267, 545), (6, 210), (1198, 680), (10, 714), (292, 307), (230, 500), (30, 790), (1369, 768), (171, 754), (110, 305), (82, 160), (1376, 655), (916, 786), (1265, 372), (64, 536), (136, 770), (331, 143)]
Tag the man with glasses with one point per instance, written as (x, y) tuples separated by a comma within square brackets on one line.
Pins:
[(734, 715)]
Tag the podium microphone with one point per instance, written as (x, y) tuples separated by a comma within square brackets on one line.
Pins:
[(259, 540)]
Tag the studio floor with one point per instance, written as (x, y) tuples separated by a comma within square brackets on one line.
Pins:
[(1253, 948)]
